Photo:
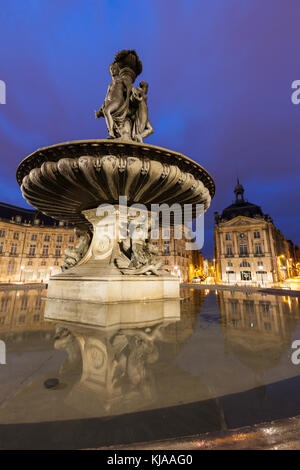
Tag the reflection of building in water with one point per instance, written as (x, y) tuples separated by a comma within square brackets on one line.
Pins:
[(257, 329), (22, 312), (248, 246)]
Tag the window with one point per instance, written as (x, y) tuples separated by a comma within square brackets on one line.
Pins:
[(2, 233), (1, 247), (16, 236), (34, 237), (256, 234), (229, 250), (4, 304), (245, 275), (36, 317), (268, 326), (18, 219), (167, 261), (29, 263), (45, 250), (233, 305), (10, 268), (155, 234), (24, 302), (55, 263), (13, 249), (260, 263), (166, 233), (43, 263), (265, 307), (245, 264), (258, 249), (38, 303), (243, 248), (249, 307), (59, 238), (57, 250), (32, 250), (22, 319), (227, 236), (47, 238), (166, 248), (71, 239)]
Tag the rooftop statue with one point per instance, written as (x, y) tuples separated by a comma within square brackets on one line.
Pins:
[(125, 106)]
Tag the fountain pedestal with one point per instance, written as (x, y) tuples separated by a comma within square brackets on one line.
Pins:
[(106, 273)]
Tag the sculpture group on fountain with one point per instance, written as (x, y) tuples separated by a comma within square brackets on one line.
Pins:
[(125, 106)]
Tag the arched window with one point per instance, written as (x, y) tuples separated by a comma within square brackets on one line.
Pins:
[(245, 264)]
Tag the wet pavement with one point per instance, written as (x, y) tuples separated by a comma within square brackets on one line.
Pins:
[(277, 435), (223, 363)]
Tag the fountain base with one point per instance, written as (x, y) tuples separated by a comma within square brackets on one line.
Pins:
[(60, 306)]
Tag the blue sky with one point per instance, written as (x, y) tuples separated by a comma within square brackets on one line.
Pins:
[(219, 74)]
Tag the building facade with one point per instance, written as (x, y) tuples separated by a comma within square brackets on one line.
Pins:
[(249, 249), (32, 247), (176, 259)]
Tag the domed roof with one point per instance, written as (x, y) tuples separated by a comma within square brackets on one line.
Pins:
[(240, 207), (247, 209)]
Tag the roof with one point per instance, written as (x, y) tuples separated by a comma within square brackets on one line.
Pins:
[(246, 209), (9, 212)]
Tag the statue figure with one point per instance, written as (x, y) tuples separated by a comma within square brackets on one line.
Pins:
[(115, 106), (74, 255), (141, 125), (138, 257), (125, 107)]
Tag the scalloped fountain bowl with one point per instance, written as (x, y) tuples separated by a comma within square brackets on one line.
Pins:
[(69, 181), (64, 179)]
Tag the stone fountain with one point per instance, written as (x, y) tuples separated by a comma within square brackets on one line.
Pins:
[(97, 185)]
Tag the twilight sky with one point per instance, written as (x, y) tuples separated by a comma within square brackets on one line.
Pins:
[(219, 73)]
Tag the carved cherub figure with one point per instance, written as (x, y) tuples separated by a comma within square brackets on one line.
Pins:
[(141, 125)]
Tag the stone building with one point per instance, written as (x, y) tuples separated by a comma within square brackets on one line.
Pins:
[(32, 247), (249, 249), (172, 252)]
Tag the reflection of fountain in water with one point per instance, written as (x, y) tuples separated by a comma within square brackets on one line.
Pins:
[(115, 364), (123, 365)]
